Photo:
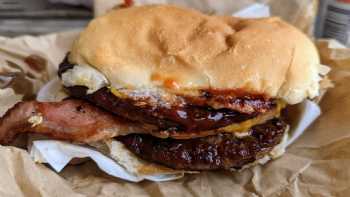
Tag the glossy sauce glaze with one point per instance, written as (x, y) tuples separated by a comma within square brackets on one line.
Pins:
[(175, 118)]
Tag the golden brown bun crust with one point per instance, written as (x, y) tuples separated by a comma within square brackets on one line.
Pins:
[(177, 49)]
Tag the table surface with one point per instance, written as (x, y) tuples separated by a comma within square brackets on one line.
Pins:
[(34, 17)]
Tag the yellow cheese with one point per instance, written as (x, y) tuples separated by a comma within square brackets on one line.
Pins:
[(117, 93), (245, 125), (236, 127)]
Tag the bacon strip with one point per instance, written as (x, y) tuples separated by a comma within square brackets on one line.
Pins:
[(82, 122), (70, 120)]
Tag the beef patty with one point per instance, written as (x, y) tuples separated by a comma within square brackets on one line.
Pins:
[(173, 119), (222, 151)]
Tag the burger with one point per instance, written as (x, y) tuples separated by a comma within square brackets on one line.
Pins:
[(178, 88)]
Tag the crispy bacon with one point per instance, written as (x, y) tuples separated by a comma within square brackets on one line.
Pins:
[(80, 121), (70, 120)]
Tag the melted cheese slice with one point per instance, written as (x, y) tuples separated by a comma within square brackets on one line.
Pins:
[(240, 129), (246, 125)]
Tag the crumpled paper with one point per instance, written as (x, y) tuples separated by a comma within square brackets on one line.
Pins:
[(314, 165)]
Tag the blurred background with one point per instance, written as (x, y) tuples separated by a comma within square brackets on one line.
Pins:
[(326, 18), (19, 17)]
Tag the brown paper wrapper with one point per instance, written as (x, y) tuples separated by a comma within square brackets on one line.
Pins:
[(315, 165)]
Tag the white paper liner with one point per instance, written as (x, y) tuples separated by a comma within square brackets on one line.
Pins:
[(309, 113), (51, 92), (256, 10), (58, 154)]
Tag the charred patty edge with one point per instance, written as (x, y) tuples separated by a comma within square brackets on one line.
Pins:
[(221, 151), (184, 119)]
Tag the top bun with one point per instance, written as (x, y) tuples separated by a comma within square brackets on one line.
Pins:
[(178, 50)]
